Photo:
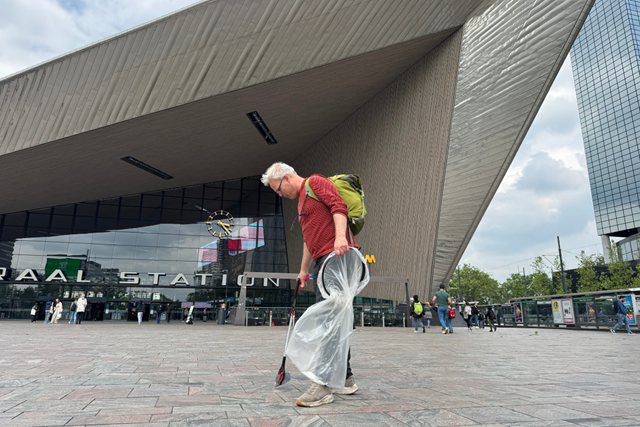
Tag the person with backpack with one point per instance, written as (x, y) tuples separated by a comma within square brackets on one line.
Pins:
[(417, 312), (72, 311), (327, 226), (442, 300), (474, 315), (491, 319), (621, 311)]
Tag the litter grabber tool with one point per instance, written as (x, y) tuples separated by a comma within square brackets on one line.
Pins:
[(283, 376)]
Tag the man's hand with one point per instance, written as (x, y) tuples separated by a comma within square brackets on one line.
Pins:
[(341, 246), (303, 277)]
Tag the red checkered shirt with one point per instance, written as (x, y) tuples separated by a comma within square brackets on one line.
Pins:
[(318, 228)]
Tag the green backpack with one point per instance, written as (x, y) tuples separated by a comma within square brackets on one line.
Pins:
[(350, 189), (417, 308)]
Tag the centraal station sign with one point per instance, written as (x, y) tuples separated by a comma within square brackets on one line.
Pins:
[(125, 278)]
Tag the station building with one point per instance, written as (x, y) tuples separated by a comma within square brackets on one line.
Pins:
[(130, 167)]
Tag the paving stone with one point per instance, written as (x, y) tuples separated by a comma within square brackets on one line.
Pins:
[(133, 402), (493, 415), (432, 418), (109, 419), (362, 420), (286, 421), (550, 412), (91, 394), (121, 374)]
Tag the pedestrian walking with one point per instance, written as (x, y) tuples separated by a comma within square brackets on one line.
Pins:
[(72, 311), (57, 311), (621, 311), (427, 314), (442, 300), (324, 228), (159, 316), (466, 314), (140, 308), (48, 311), (82, 305), (190, 315), (474, 315), (168, 312), (481, 320), (34, 312), (417, 312), (491, 319)]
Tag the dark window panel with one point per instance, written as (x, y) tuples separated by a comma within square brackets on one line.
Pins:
[(212, 193), (62, 222), (131, 201), (64, 210), (151, 201), (172, 203), (15, 219), (171, 216), (151, 214), (37, 220), (37, 232), (104, 224), (129, 213), (84, 224), (107, 211), (86, 209), (194, 192), (12, 233)]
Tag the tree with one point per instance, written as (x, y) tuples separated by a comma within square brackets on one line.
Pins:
[(557, 278), (476, 284), (588, 280), (620, 272), (539, 282)]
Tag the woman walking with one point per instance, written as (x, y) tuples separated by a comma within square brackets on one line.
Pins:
[(82, 305), (467, 315), (34, 312), (57, 312), (427, 313)]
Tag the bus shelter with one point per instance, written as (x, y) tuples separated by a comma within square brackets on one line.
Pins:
[(590, 310)]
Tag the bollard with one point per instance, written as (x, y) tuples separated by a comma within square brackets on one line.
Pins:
[(404, 321), (271, 318), (362, 319), (383, 319), (246, 318)]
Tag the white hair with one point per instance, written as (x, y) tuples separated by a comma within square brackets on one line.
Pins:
[(277, 171)]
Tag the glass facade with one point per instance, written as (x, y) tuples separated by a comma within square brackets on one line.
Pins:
[(606, 69), (156, 247)]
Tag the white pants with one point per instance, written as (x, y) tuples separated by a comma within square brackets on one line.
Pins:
[(140, 317)]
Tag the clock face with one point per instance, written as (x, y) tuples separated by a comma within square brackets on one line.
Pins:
[(220, 223)]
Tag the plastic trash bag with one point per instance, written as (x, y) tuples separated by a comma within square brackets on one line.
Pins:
[(321, 337)]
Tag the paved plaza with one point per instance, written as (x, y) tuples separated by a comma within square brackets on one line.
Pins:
[(211, 375)]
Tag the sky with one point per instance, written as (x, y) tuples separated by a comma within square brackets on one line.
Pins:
[(544, 194)]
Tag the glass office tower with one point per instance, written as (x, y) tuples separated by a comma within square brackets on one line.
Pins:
[(606, 69)]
